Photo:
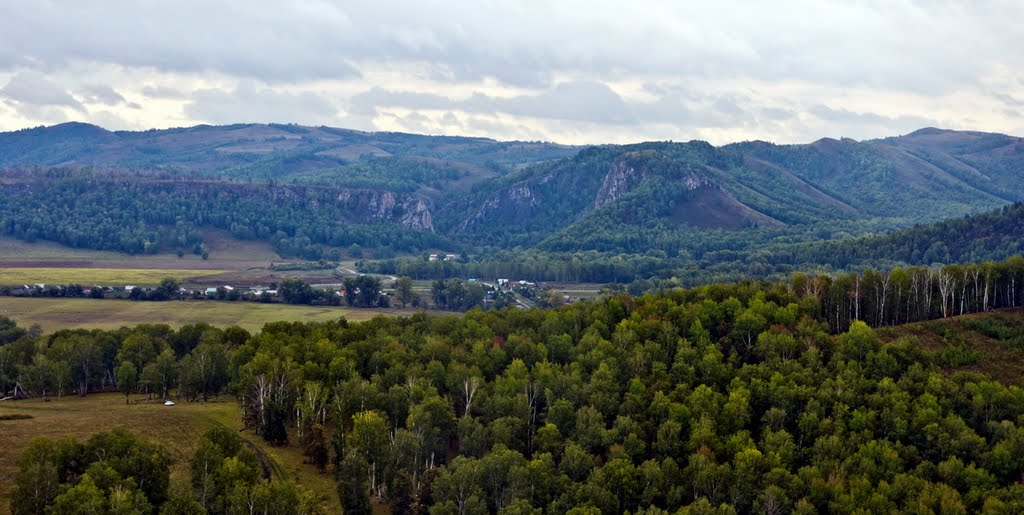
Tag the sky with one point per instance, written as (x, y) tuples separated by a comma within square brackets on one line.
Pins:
[(570, 71)]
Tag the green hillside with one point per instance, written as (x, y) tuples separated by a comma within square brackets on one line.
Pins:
[(703, 212)]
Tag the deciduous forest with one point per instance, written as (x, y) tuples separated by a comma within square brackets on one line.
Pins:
[(751, 397)]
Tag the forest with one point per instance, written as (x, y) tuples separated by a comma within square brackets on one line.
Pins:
[(84, 209), (772, 396), (992, 235)]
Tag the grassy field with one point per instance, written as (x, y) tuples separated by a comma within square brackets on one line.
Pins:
[(88, 276), (53, 314), (222, 247), (177, 428)]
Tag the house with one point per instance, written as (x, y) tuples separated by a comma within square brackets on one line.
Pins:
[(129, 287), (432, 257), (211, 291), (451, 257), (502, 283)]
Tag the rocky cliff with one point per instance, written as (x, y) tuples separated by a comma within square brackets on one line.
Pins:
[(408, 210), (630, 170)]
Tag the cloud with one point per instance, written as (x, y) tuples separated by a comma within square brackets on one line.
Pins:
[(252, 103), (571, 71), (265, 40), (850, 118), (112, 121), (530, 43), (164, 92), (578, 100), (581, 101), (35, 90), (586, 101), (367, 102), (101, 94)]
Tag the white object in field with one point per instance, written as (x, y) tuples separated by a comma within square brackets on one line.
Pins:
[(168, 402)]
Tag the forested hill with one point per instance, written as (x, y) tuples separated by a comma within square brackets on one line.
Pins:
[(683, 201), (993, 235), (670, 195), (279, 152)]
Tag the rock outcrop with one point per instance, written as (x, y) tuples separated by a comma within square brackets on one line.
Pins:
[(409, 210), (627, 172), (515, 199)]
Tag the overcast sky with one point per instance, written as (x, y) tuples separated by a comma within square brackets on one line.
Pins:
[(572, 71)]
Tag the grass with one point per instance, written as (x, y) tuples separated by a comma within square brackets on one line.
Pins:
[(16, 416), (53, 314), (222, 247), (988, 343), (89, 276), (14, 249), (178, 428)]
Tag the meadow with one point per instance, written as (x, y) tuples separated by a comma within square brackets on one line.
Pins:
[(222, 246), (119, 277), (53, 314), (177, 428)]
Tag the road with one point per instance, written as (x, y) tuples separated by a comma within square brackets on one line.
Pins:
[(386, 280), (523, 302)]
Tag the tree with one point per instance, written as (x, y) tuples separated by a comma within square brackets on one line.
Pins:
[(295, 291), (127, 379), (138, 349), (363, 291), (457, 488), (168, 289), (206, 370), (369, 437), (433, 419), (353, 489), (37, 482), (315, 446), (165, 372), (403, 290), (84, 498)]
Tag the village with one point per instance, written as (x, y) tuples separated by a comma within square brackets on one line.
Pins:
[(496, 294)]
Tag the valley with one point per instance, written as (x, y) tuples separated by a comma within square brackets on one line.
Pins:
[(684, 204), (730, 326)]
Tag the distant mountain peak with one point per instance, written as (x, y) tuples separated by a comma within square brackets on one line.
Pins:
[(77, 128), (928, 131)]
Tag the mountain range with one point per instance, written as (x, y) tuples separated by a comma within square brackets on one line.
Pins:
[(681, 199)]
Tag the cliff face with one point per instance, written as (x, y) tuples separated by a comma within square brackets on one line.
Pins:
[(627, 172), (621, 178), (516, 200), (409, 211)]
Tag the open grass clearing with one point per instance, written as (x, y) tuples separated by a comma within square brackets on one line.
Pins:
[(92, 276), (177, 428), (53, 314), (225, 253), (998, 357)]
